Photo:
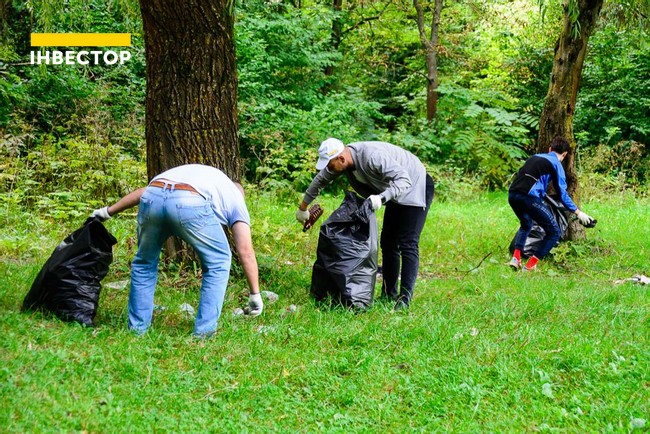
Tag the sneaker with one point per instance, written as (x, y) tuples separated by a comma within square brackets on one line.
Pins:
[(526, 269), (401, 305), (515, 264)]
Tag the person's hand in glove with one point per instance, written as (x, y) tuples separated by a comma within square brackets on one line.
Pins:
[(255, 304), (302, 216), (101, 213), (585, 220), (375, 200)]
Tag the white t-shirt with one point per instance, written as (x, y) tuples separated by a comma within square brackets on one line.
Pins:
[(226, 199)]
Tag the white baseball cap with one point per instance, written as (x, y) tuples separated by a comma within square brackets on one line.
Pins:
[(329, 149)]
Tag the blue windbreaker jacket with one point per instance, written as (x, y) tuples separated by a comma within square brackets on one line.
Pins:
[(540, 169)]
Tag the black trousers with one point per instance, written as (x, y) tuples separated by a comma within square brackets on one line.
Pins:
[(400, 246)]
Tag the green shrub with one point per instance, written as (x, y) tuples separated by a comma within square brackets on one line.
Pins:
[(477, 133), (454, 184), (614, 169), (615, 87), (67, 178), (279, 142)]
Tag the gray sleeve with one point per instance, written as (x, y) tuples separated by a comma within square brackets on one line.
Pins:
[(393, 174), (323, 178)]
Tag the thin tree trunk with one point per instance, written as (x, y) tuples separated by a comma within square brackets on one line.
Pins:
[(559, 106), (430, 44), (191, 95), (337, 28)]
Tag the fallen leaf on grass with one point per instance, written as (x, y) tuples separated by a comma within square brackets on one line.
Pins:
[(639, 278), (637, 423), (547, 390)]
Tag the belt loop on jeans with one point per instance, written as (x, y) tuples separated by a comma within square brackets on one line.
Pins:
[(173, 186)]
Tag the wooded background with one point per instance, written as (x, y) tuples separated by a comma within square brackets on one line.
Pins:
[(463, 85)]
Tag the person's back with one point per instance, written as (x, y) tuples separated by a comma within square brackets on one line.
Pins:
[(381, 164), (536, 171), (215, 186)]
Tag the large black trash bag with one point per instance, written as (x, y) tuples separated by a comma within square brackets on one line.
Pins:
[(346, 257), (68, 285), (534, 240)]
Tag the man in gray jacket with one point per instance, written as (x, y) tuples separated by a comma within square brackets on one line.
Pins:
[(385, 174)]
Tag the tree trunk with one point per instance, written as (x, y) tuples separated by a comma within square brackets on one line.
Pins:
[(335, 37), (191, 94), (430, 45), (559, 106), (191, 99)]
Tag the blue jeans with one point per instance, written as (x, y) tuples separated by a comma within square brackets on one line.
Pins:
[(528, 209), (400, 240), (190, 217)]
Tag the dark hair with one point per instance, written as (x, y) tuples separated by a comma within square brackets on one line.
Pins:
[(560, 145)]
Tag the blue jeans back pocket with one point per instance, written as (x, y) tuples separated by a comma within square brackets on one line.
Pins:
[(144, 210), (196, 216)]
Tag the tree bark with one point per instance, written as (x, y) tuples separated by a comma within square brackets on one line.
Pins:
[(430, 44), (191, 94), (559, 106), (337, 28)]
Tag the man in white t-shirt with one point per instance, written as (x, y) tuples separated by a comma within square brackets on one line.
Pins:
[(192, 202)]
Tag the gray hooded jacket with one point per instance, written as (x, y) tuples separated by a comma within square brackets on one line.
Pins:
[(381, 168)]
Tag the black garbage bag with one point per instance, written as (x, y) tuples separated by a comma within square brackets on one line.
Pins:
[(346, 256), (537, 233), (68, 285)]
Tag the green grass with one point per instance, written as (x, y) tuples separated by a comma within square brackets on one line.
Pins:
[(482, 348)]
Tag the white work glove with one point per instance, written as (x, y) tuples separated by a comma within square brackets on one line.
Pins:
[(301, 215), (255, 304), (375, 200), (585, 220), (101, 213)]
